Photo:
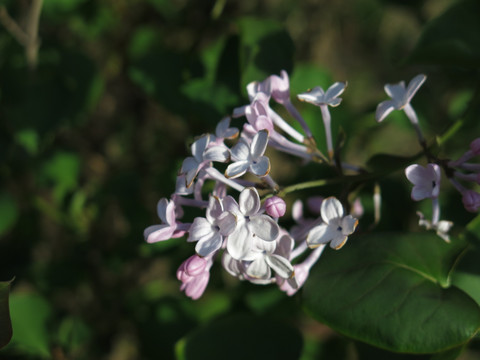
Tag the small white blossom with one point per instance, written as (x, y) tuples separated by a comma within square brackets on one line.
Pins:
[(249, 157), (442, 227), (317, 96), (425, 180), (400, 96), (336, 227)]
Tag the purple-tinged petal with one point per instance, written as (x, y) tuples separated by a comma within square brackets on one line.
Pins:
[(260, 167), (232, 266), (196, 287), (157, 233), (227, 222), (214, 210), (200, 229), (249, 201), (383, 109), (241, 151), (264, 227), (208, 246), (280, 265), (263, 122), (262, 246), (199, 146), (162, 210), (331, 209), (195, 265), (217, 153), (259, 144), (237, 169)]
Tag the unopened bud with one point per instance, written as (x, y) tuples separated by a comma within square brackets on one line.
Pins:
[(275, 207), (471, 200)]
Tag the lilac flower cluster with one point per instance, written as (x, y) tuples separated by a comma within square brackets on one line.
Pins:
[(241, 222), (426, 180), (242, 228)]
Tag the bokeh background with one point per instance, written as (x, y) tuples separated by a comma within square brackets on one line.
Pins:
[(94, 129)]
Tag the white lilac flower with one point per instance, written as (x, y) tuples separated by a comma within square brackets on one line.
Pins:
[(400, 96), (265, 260), (249, 157), (336, 227), (168, 228), (224, 131), (317, 96), (202, 155), (425, 180), (210, 231), (442, 227), (253, 227)]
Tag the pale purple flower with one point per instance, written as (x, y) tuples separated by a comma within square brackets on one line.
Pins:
[(264, 259), (203, 154), (471, 200), (210, 231), (194, 273), (317, 96), (249, 157), (275, 206), (224, 131), (168, 228), (253, 227), (400, 96), (280, 87), (425, 180), (336, 227)]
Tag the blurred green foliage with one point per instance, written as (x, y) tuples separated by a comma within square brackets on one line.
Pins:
[(94, 135)]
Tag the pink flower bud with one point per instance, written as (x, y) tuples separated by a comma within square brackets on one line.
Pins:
[(280, 87), (195, 265), (196, 286), (275, 206), (471, 200), (475, 146)]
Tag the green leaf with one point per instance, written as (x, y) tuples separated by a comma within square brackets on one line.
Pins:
[(30, 314), (393, 291), (5, 322), (8, 212), (265, 49), (242, 336), (452, 39), (63, 170)]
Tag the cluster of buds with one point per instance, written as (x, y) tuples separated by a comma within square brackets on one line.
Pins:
[(242, 212)]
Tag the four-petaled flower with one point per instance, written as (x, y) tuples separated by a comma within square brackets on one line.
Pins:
[(253, 227), (317, 96), (210, 231), (168, 228), (400, 96), (425, 180), (336, 227), (249, 157)]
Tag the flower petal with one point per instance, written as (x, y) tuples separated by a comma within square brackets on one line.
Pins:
[(383, 109), (259, 269), (157, 233), (162, 210), (413, 86), (397, 93), (321, 234), (259, 144), (217, 153), (280, 265), (200, 229), (227, 222), (334, 91), (338, 242), (264, 227), (199, 146), (233, 267), (237, 169), (241, 151), (260, 167), (214, 210), (249, 201), (331, 209), (316, 96), (348, 224), (207, 246), (239, 243)]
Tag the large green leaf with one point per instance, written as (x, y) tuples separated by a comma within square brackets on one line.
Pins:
[(451, 39), (393, 291), (5, 322), (242, 336)]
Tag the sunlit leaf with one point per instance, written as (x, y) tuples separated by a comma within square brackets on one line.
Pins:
[(393, 291)]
